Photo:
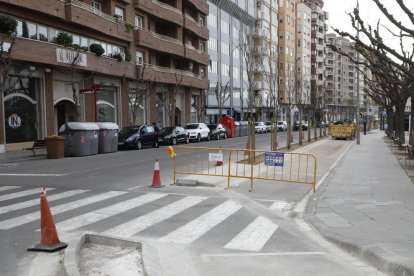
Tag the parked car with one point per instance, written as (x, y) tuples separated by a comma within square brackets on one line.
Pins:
[(217, 131), (296, 126), (137, 137), (173, 135), (268, 126), (260, 127), (281, 125), (198, 131)]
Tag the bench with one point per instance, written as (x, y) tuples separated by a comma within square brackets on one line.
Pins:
[(37, 145)]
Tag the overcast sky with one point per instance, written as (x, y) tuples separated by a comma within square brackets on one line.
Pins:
[(337, 10)]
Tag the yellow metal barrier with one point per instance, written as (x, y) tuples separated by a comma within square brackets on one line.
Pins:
[(244, 163), (342, 131)]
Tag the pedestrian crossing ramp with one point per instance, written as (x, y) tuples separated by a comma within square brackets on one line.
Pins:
[(182, 219), (249, 164)]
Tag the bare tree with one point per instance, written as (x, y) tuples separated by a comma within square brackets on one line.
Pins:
[(141, 91), (222, 93)]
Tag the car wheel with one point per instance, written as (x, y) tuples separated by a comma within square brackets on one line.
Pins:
[(174, 141), (187, 140), (156, 145), (198, 138), (139, 145), (218, 136)]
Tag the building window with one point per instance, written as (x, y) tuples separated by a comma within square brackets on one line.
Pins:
[(97, 5), (212, 44), (213, 67), (224, 27), (119, 13), (140, 57), (212, 21), (225, 71), (138, 22)]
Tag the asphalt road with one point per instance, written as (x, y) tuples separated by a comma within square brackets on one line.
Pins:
[(196, 231)]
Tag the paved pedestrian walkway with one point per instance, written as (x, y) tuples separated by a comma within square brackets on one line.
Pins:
[(366, 206)]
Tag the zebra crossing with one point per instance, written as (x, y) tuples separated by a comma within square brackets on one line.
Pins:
[(22, 211)]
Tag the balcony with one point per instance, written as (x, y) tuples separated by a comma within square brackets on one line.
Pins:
[(159, 42), (50, 7), (161, 10), (198, 56), (47, 53), (194, 26), (201, 5), (170, 75), (87, 16)]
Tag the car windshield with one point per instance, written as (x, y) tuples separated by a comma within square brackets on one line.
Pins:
[(268, 123), (257, 124), (212, 126), (191, 126), (167, 130), (280, 123), (129, 130)]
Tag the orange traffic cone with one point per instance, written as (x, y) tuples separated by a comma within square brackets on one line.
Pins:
[(156, 180), (49, 240), (220, 162), (246, 152)]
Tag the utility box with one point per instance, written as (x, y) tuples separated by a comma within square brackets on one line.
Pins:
[(81, 138), (228, 122), (108, 137)]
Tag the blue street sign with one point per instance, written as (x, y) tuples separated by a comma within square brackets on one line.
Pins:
[(274, 158)]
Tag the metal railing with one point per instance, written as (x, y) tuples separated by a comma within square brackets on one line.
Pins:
[(288, 167), (91, 9), (166, 6)]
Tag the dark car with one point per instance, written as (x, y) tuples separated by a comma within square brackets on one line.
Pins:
[(173, 135), (296, 126), (138, 137), (217, 131)]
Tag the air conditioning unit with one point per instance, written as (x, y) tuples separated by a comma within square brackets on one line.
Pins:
[(123, 56)]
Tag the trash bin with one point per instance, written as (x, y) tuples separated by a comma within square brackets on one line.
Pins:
[(81, 138), (237, 128), (55, 147), (243, 128), (108, 137)]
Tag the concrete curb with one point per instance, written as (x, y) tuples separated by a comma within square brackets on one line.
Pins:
[(151, 266)]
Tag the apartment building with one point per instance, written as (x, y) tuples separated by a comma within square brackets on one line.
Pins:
[(265, 40), (342, 80), (153, 67), (228, 22), (287, 55), (303, 62)]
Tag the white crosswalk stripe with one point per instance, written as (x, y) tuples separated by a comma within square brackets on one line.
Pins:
[(5, 188), (136, 225), (17, 221), (22, 193), (204, 223), (34, 202), (106, 212), (254, 236), (251, 238)]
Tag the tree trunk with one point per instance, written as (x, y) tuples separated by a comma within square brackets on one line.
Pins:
[(399, 122)]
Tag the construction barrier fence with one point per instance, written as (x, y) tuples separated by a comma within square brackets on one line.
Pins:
[(245, 163)]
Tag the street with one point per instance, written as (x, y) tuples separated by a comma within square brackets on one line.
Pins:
[(216, 232)]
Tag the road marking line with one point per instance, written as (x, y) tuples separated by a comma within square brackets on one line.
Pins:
[(280, 205), (5, 188), (136, 225), (34, 202), (107, 212), (22, 193), (201, 225), (254, 236), (208, 256), (17, 221), (33, 174)]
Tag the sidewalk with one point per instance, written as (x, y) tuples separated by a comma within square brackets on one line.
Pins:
[(366, 206)]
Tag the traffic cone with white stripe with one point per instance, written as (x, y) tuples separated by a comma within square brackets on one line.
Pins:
[(156, 180), (49, 240)]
